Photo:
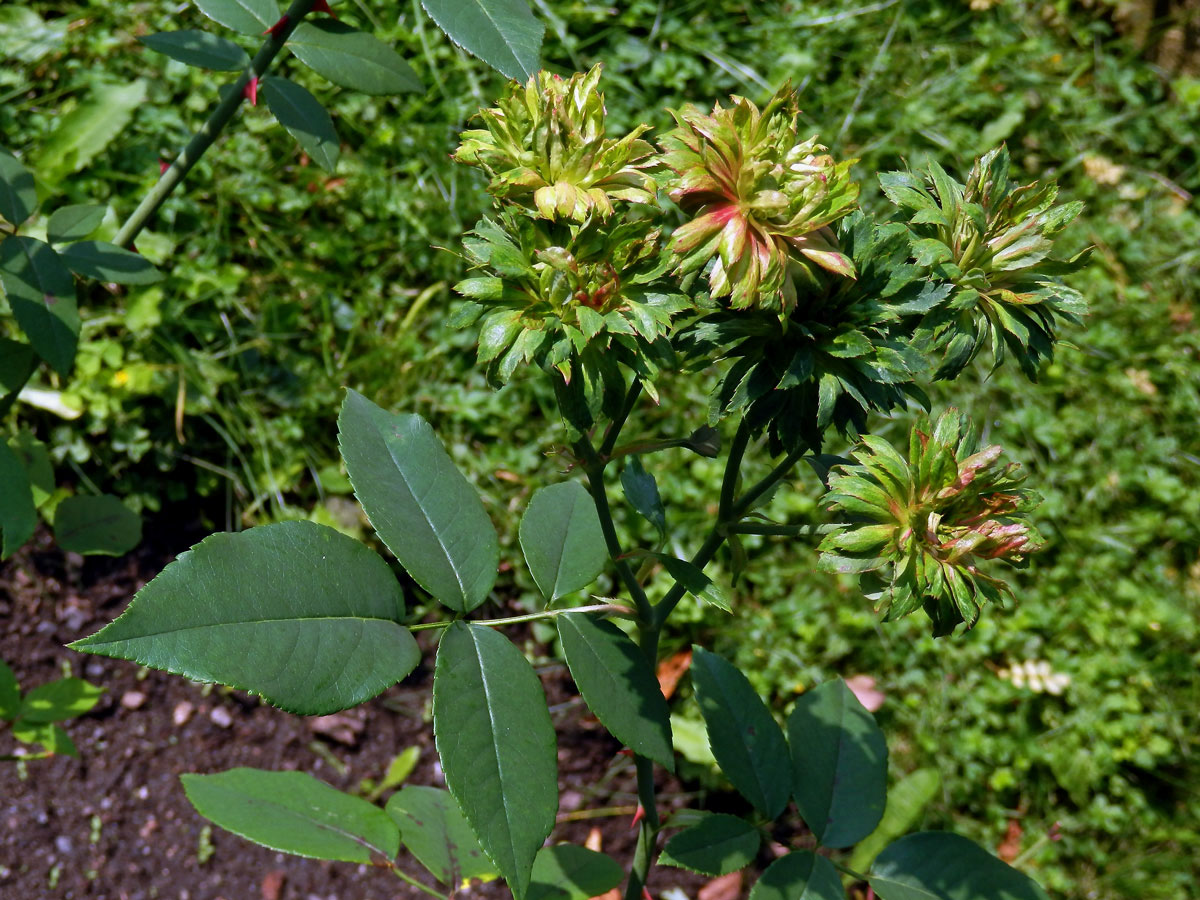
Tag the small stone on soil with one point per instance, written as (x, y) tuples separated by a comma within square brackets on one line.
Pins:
[(338, 727), (220, 716), (183, 712), (133, 699)]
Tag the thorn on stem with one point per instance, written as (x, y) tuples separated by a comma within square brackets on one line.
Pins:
[(163, 165), (646, 894), (250, 91), (638, 815), (322, 6), (278, 26)]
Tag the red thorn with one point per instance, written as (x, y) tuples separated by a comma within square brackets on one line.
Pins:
[(278, 26), (638, 816), (646, 894), (134, 249), (251, 90), (163, 165), (322, 6), (625, 751)]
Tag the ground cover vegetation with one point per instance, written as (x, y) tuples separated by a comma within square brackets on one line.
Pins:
[(219, 382)]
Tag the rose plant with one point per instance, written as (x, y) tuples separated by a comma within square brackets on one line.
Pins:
[(730, 244)]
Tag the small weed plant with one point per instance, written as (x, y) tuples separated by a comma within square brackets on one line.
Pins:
[(732, 243), (33, 718)]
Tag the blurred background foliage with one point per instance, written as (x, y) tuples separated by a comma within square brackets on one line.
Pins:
[(215, 392)]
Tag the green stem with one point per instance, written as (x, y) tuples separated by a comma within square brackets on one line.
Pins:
[(772, 529), (645, 446), (780, 530), (729, 513), (1029, 851), (716, 536), (612, 609), (643, 853), (733, 467), (647, 629), (615, 426), (213, 126), (857, 876), (594, 469), (408, 879), (746, 502)]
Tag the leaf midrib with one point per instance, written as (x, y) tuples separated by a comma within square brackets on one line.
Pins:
[(487, 694), (462, 588), (87, 642)]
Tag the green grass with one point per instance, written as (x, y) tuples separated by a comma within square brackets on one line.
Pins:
[(287, 285)]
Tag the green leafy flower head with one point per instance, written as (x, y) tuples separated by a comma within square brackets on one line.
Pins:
[(762, 200), (544, 148), (992, 240), (925, 526)]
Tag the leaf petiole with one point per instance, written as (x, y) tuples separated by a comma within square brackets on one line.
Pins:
[(612, 609)]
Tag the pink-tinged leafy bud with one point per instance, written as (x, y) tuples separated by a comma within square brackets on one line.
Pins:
[(544, 149), (279, 26), (922, 526), (250, 91), (762, 200)]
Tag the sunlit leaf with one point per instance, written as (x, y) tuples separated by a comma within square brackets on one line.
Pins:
[(294, 611), (561, 537), (75, 222), (435, 831), (85, 131), (60, 700), (418, 502), (616, 680), (503, 33), (352, 58), (497, 747), (246, 16), (295, 813)]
